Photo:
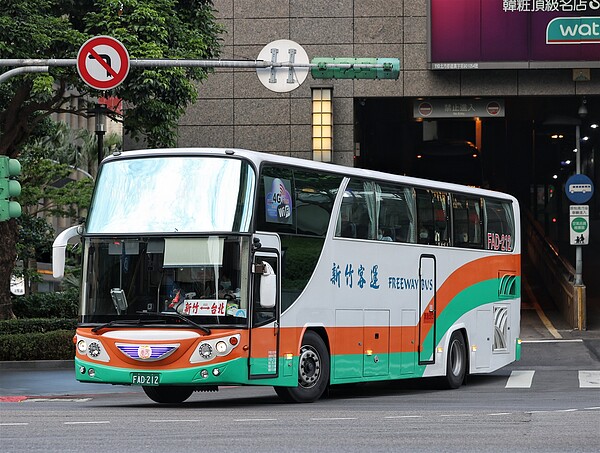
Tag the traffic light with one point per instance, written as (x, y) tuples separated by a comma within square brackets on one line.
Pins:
[(355, 68), (9, 168)]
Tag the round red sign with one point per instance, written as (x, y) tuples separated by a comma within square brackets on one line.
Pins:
[(103, 62), (425, 109), (493, 108)]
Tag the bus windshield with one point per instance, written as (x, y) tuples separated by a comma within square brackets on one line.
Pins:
[(168, 194), (153, 278)]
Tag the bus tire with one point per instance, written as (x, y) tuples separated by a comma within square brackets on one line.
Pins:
[(456, 361), (168, 394), (313, 371)]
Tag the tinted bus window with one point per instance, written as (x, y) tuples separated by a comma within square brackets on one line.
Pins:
[(377, 211), (397, 214), (500, 225), (466, 221), (296, 201), (432, 217)]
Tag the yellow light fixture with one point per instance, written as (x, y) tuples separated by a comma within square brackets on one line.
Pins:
[(322, 124)]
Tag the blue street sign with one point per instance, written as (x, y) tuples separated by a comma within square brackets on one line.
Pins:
[(579, 188)]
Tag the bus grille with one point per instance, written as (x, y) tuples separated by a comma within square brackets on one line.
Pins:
[(147, 353)]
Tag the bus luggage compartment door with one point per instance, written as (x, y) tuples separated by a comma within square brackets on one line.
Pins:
[(427, 309)]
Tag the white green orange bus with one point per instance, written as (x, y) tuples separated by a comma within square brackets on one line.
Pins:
[(216, 267)]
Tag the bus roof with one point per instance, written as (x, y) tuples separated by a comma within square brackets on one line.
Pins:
[(258, 158)]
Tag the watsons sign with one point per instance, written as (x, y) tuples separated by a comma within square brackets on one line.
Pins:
[(573, 30)]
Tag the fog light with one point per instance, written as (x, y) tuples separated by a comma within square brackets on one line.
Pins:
[(204, 374), (81, 346), (82, 369), (216, 372), (91, 372)]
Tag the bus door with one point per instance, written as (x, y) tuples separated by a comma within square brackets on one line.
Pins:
[(264, 331), (427, 309)]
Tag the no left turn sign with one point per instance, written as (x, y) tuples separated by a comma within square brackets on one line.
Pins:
[(103, 62)]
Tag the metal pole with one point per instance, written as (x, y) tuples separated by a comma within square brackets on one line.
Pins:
[(164, 63), (578, 248), (23, 70)]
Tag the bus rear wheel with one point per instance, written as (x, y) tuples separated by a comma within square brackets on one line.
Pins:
[(313, 371), (456, 362), (168, 393)]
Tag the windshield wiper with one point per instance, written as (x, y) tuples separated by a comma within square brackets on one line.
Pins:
[(188, 320), (128, 322)]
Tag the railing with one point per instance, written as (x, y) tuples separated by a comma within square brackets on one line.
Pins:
[(557, 274)]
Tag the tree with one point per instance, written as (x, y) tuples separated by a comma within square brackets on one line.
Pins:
[(154, 98), (50, 188)]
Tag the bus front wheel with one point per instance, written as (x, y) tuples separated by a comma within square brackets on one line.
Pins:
[(456, 362), (313, 371), (168, 394)]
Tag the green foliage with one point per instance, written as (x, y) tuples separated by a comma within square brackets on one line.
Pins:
[(46, 179), (149, 29), (36, 325), (53, 345), (47, 305)]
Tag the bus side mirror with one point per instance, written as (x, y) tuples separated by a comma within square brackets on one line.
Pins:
[(59, 250), (268, 286)]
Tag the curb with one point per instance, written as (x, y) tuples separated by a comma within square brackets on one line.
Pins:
[(37, 364)]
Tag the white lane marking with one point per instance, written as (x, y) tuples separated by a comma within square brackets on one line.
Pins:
[(174, 421), (57, 400), (332, 418), (404, 416), (520, 379), (99, 422), (14, 424), (255, 420), (499, 413), (589, 379)]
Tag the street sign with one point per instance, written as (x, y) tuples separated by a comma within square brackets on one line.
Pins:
[(579, 221), (579, 188), (282, 79), (103, 62), (458, 108)]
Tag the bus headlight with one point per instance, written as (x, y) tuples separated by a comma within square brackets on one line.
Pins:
[(221, 347), (205, 350), (82, 346), (94, 349)]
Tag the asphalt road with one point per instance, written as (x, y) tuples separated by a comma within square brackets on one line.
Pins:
[(547, 402), (556, 411)]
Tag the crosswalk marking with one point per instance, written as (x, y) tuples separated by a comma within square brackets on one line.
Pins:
[(520, 379), (589, 379)]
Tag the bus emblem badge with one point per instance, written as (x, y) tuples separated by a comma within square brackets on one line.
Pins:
[(144, 352)]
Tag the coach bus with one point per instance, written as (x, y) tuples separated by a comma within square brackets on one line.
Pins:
[(211, 267)]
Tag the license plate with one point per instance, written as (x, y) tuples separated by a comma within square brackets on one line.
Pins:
[(145, 378)]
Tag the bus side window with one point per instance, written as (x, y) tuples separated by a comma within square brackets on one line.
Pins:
[(397, 213), (499, 225), (425, 230), (466, 214)]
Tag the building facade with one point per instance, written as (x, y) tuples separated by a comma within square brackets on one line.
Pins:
[(457, 58)]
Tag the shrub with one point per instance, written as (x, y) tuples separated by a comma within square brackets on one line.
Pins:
[(47, 305), (54, 345), (35, 325)]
